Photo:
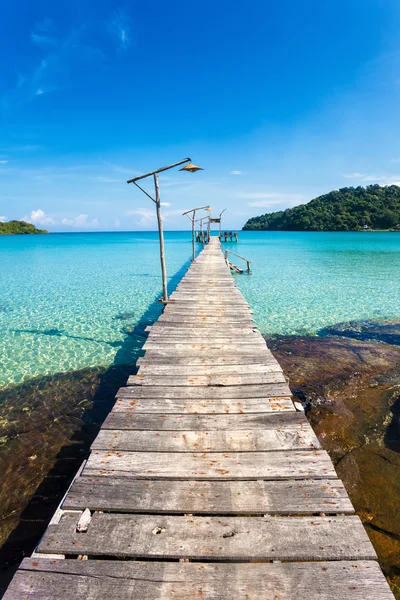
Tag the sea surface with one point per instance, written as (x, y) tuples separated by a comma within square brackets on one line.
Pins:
[(70, 301)]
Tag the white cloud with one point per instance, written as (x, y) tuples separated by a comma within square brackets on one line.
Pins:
[(373, 178), (147, 216), (39, 217), (81, 220), (120, 28), (235, 172), (354, 175), (265, 203), (3, 219), (381, 179), (165, 203), (3, 162)]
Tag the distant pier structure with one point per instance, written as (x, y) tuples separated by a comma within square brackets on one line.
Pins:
[(228, 236), (203, 235)]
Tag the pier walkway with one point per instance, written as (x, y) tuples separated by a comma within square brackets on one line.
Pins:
[(206, 480)]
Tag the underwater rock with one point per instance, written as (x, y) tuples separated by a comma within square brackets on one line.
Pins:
[(46, 427)]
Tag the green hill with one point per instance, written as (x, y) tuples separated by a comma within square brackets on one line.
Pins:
[(15, 227), (347, 209)]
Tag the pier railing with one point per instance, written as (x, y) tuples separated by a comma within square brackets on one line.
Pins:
[(239, 256)]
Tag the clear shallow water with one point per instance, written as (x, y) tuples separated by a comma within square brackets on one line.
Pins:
[(302, 282), (68, 301)]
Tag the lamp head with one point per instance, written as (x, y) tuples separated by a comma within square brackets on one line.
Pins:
[(191, 168)]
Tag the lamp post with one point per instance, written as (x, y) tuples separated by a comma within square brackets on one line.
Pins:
[(201, 228), (191, 168), (191, 214), (220, 220)]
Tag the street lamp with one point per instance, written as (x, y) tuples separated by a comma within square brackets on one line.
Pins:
[(191, 168), (192, 217)]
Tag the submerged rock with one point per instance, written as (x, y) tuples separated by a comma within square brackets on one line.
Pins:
[(350, 388), (46, 427)]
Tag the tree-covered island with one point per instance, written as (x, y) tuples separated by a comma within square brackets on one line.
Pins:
[(18, 227), (374, 207)]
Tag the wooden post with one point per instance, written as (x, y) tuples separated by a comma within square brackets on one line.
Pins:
[(193, 252), (161, 236)]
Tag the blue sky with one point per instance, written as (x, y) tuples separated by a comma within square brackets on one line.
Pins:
[(278, 101)]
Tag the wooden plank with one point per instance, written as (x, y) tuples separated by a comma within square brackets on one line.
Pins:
[(187, 345), (208, 312), (228, 331), (255, 350), (204, 326), (212, 359), (112, 494), (289, 437), (222, 538), (267, 390), (198, 284), (228, 406), (172, 355), (204, 370), (104, 580), (203, 303), (206, 380), (205, 296), (190, 422), (193, 319), (195, 332), (206, 339), (234, 293), (282, 464)]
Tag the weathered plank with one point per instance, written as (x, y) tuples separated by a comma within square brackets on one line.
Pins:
[(204, 370), (155, 358), (181, 318), (209, 406), (252, 346), (239, 538), (206, 380), (170, 354), (290, 464), (105, 580), (267, 390), (201, 302), (194, 332), (190, 422), (113, 494), (287, 437)]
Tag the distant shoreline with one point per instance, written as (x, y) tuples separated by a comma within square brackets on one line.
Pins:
[(19, 228)]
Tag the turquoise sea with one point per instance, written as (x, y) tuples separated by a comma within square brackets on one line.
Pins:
[(69, 301)]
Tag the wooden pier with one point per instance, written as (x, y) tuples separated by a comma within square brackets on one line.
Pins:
[(228, 236), (206, 479)]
